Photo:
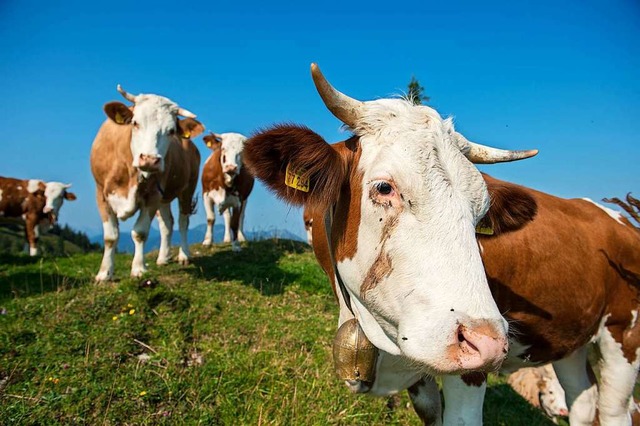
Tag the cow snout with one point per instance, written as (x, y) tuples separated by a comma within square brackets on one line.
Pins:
[(149, 163), (231, 169), (480, 346)]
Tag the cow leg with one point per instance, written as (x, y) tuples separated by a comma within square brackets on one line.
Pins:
[(31, 231), (165, 220), (184, 254), (139, 234), (462, 402), (243, 209), (110, 234), (425, 398), (226, 215), (581, 394), (235, 223), (211, 219), (618, 371)]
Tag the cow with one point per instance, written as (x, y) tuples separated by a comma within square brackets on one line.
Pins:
[(541, 388), (307, 217), (226, 183), (35, 201), (396, 208), (141, 159)]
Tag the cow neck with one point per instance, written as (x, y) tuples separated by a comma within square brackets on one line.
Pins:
[(143, 179), (328, 221)]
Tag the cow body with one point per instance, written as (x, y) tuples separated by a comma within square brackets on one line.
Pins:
[(226, 184), (35, 201), (128, 181), (565, 273)]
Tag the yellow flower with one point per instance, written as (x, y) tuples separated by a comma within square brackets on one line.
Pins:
[(129, 305), (115, 318), (143, 393), (132, 311)]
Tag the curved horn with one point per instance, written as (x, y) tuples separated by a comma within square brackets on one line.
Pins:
[(186, 113), (346, 109), (481, 154), (126, 95)]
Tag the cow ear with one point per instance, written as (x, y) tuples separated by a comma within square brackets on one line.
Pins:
[(297, 164), (69, 196), (118, 112), (190, 128), (212, 141), (512, 206)]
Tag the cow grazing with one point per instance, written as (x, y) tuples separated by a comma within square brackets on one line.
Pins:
[(541, 388), (400, 201), (141, 159), (226, 183), (35, 201)]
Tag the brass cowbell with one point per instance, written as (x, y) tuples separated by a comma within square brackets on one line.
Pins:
[(354, 356)]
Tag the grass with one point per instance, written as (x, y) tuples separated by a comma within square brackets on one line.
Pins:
[(231, 339)]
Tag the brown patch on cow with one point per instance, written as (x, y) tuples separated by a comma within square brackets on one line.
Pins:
[(380, 269), (212, 175), (474, 379), (268, 153)]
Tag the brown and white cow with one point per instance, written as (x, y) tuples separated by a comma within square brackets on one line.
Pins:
[(400, 201), (35, 201), (141, 159), (541, 388), (307, 218), (226, 183)]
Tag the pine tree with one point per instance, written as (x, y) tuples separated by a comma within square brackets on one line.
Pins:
[(415, 92)]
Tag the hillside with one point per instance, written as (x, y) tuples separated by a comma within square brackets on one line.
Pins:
[(57, 242), (231, 339), (196, 235)]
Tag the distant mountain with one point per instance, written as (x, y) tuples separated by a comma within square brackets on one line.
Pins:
[(196, 235)]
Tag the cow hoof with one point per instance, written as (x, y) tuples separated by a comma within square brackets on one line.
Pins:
[(206, 243), (104, 276), (138, 273), (226, 240), (184, 261)]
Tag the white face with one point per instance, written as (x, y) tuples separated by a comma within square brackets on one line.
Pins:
[(552, 398), (231, 153), (154, 125), (54, 194), (425, 294)]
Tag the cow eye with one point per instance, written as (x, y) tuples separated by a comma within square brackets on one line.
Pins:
[(224, 158), (172, 131), (384, 188), (134, 123)]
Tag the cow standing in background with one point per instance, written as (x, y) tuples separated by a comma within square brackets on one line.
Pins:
[(141, 159), (226, 183), (307, 217), (37, 202), (541, 388)]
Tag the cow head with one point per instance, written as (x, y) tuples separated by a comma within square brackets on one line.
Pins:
[(405, 199), (232, 145), (55, 193), (154, 124)]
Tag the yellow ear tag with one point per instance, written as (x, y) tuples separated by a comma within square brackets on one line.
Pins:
[(296, 179), (186, 135), (119, 118), (484, 230), (209, 144)]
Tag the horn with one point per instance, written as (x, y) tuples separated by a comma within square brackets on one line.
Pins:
[(126, 95), (186, 113), (481, 154), (344, 108)]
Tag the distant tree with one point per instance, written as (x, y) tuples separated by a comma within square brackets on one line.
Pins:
[(415, 92)]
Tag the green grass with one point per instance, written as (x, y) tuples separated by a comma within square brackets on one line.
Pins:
[(231, 339)]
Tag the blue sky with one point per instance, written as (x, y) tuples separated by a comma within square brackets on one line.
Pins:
[(560, 76)]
